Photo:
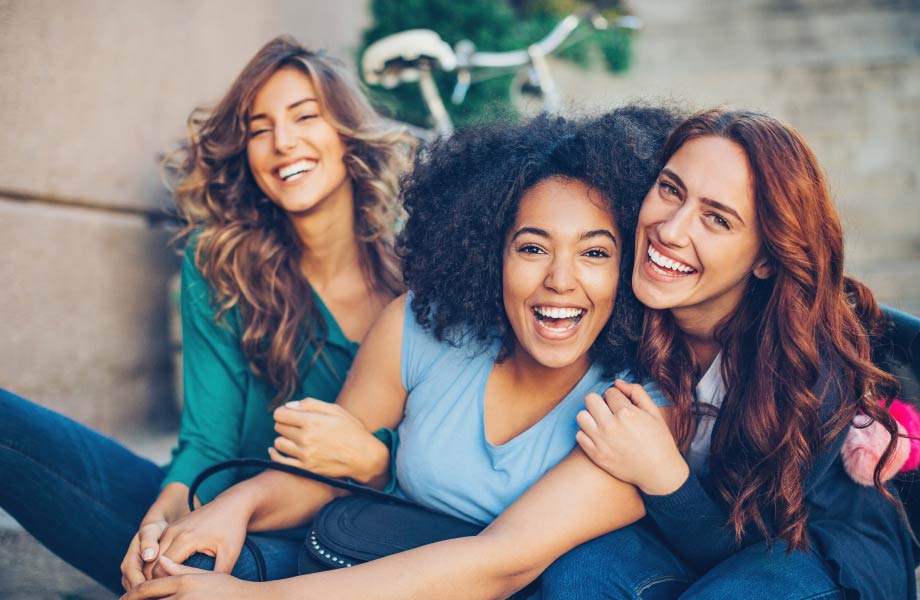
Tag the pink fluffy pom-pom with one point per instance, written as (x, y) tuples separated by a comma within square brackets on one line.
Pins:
[(909, 418), (863, 447)]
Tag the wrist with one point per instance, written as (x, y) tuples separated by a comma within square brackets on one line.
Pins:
[(375, 465), (243, 499), (669, 478)]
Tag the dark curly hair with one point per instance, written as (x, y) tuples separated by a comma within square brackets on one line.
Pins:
[(463, 195)]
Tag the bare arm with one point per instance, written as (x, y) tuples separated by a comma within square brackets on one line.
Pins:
[(271, 500), (571, 504)]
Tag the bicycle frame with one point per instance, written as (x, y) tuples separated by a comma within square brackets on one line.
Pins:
[(413, 56)]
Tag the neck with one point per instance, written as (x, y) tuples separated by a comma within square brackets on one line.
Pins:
[(700, 336), (532, 378), (327, 235)]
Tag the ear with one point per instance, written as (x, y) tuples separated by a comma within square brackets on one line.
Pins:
[(763, 269)]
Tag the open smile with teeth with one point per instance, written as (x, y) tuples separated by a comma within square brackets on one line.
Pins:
[(668, 266), (296, 170), (558, 319)]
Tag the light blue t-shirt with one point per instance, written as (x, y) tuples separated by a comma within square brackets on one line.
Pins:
[(445, 461)]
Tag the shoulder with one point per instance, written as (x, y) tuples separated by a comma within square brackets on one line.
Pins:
[(386, 333)]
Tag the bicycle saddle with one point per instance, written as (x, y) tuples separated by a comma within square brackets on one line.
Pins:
[(397, 58)]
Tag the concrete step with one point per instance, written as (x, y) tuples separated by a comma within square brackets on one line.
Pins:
[(28, 571)]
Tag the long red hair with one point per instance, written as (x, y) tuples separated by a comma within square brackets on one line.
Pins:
[(806, 318)]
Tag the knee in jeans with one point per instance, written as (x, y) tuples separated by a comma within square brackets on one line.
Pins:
[(569, 570)]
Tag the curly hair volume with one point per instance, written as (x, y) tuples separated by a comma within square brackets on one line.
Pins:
[(463, 195), (245, 245)]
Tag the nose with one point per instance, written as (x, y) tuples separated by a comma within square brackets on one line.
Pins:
[(284, 139), (673, 229), (561, 276)]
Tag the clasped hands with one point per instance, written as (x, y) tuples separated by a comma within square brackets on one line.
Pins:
[(313, 435)]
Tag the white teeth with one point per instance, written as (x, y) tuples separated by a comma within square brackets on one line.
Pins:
[(301, 166), (668, 263), (555, 312)]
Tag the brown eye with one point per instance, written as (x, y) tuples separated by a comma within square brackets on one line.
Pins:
[(530, 249), (718, 220)]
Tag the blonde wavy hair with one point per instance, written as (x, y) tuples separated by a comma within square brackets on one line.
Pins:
[(245, 245)]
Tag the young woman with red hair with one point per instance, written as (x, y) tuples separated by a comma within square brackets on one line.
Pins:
[(761, 342)]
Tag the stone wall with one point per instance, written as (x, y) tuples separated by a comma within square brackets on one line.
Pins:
[(92, 94)]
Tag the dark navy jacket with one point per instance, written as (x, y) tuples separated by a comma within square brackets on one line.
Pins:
[(858, 533)]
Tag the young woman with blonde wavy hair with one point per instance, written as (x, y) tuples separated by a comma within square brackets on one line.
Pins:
[(288, 188)]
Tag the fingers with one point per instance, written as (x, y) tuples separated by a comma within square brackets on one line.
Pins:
[(586, 443), (637, 395), (132, 566), (149, 535), (314, 405), (155, 588), (616, 400), (173, 568), (287, 431), (224, 561), (286, 446), (295, 412), (280, 458)]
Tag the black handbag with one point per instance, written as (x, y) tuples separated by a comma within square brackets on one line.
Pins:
[(354, 529)]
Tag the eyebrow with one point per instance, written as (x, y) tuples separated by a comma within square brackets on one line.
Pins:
[(707, 201), (289, 107), (584, 236)]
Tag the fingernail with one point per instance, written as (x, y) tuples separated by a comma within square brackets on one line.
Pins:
[(293, 403), (149, 553)]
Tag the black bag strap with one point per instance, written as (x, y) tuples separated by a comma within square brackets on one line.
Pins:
[(356, 488)]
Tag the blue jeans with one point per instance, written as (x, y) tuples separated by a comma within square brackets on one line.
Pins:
[(634, 563), (83, 495), (277, 554)]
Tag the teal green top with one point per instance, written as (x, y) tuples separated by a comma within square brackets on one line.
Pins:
[(226, 410)]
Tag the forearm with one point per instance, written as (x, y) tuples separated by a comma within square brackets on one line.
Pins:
[(474, 568), (273, 500), (573, 503)]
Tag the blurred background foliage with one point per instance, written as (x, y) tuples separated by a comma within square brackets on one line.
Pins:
[(493, 26)]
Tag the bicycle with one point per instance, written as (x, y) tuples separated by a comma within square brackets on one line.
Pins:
[(413, 56)]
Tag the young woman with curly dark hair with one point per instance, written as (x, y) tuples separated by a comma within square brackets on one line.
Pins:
[(289, 190), (762, 342), (517, 255)]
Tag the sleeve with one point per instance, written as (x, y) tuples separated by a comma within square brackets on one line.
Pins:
[(656, 394), (695, 524), (215, 380), (390, 438)]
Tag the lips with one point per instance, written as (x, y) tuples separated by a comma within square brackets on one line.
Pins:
[(667, 266), (557, 320), (296, 170)]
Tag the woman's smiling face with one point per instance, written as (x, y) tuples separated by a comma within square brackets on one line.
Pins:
[(560, 271), (294, 153), (697, 240)]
